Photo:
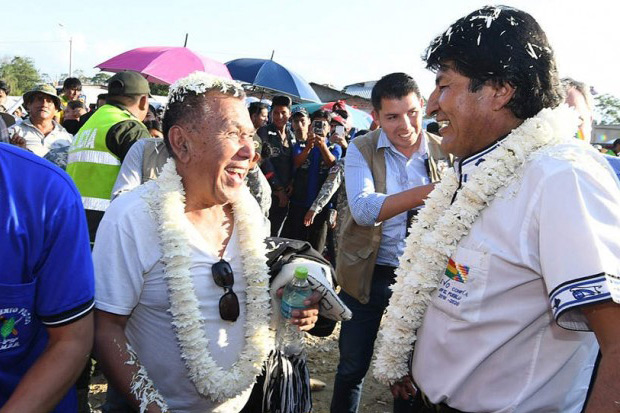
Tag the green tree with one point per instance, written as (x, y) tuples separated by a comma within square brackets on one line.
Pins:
[(79, 73), (607, 109), (20, 73), (100, 79), (159, 90)]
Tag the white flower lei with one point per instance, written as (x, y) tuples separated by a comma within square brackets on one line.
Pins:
[(167, 205), (439, 227)]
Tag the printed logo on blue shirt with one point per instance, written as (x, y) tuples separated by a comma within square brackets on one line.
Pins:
[(11, 319)]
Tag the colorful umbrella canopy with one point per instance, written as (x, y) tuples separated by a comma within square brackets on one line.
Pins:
[(164, 65), (358, 118), (273, 76)]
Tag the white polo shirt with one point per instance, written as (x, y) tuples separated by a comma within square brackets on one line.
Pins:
[(504, 332)]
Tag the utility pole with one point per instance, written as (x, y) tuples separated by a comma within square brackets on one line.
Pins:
[(70, 56), (70, 48)]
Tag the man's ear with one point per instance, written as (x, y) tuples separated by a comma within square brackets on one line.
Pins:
[(177, 136), (143, 103), (502, 94), (375, 117)]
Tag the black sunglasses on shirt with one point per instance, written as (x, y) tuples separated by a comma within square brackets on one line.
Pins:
[(229, 302)]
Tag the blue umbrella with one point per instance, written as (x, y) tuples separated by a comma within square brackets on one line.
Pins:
[(271, 75)]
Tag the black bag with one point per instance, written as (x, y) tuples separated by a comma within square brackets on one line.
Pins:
[(288, 387)]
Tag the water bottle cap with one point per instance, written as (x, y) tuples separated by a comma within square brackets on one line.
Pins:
[(301, 273)]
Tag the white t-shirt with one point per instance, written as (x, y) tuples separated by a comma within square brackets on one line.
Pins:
[(490, 340), (130, 281)]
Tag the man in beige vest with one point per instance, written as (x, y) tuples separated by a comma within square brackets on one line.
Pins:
[(388, 174)]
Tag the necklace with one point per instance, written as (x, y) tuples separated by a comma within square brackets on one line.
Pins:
[(438, 228), (167, 205)]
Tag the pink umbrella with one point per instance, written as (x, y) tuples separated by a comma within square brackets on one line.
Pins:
[(164, 65)]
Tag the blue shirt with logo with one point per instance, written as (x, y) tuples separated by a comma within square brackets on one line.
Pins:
[(46, 271)]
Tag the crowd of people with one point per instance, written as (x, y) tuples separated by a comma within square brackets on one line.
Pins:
[(479, 257)]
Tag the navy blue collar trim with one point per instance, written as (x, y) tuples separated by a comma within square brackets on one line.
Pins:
[(481, 153)]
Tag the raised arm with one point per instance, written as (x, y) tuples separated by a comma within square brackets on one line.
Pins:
[(369, 207)]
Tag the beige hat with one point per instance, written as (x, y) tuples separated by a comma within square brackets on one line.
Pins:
[(45, 89)]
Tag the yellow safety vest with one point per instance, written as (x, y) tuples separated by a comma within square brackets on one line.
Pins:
[(91, 165)]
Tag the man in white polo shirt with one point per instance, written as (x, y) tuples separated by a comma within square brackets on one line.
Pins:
[(507, 290)]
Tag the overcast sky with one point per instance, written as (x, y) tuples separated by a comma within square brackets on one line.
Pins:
[(336, 42)]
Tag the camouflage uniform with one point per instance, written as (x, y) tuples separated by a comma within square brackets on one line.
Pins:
[(259, 188), (334, 184), (58, 156)]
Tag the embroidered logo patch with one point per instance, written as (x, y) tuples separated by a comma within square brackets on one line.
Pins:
[(11, 320), (457, 272)]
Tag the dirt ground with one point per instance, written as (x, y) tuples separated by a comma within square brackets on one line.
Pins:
[(322, 361)]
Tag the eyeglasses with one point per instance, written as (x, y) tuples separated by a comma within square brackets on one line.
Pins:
[(229, 302)]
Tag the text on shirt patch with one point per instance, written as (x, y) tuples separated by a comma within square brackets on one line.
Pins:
[(451, 289)]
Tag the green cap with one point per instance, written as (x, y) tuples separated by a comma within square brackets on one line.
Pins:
[(301, 273), (128, 83), (46, 90)]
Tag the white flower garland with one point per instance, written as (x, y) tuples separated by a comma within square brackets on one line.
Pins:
[(439, 227), (142, 386), (167, 205)]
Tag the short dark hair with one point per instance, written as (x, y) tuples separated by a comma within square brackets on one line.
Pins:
[(321, 114), (257, 107), (280, 100), (181, 111), (75, 104), (501, 45), (5, 86), (153, 124), (72, 83), (393, 86)]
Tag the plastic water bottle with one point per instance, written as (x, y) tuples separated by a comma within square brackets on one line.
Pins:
[(295, 293)]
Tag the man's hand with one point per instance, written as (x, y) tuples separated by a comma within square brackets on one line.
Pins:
[(339, 140), (305, 319), (403, 388), (18, 141), (309, 217), (320, 142)]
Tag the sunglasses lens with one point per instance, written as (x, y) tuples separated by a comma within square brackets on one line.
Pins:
[(223, 274), (229, 306)]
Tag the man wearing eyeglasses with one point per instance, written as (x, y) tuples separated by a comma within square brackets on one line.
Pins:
[(182, 304)]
